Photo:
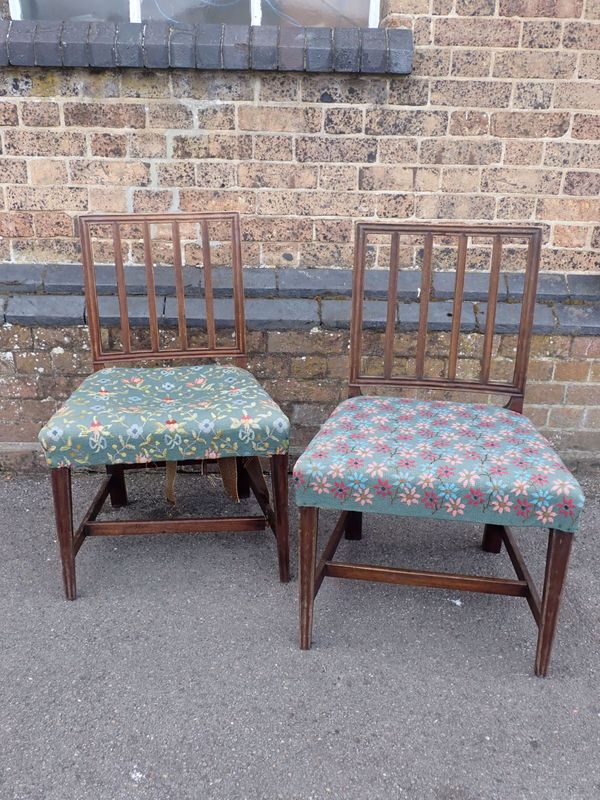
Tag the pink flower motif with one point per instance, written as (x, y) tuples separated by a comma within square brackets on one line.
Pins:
[(498, 469), (363, 496), (406, 463), (538, 479), (444, 472), (383, 488), (298, 478), (468, 478), (426, 480), (430, 500), (336, 470), (475, 497), (319, 454), (320, 485), (376, 470), (524, 507), (491, 443), (455, 507), (340, 490), (501, 504), (355, 462), (410, 497), (566, 507), (545, 514), (520, 487), (562, 487), (382, 447)]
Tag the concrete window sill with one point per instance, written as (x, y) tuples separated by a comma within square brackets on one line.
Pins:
[(156, 45)]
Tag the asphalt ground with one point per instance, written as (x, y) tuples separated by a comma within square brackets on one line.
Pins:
[(176, 674)]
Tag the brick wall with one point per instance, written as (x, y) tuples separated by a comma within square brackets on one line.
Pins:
[(499, 121)]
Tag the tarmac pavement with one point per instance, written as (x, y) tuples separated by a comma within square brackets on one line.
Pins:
[(176, 674)]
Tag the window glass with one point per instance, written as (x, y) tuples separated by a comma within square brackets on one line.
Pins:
[(325, 13), (78, 10), (318, 13), (195, 12)]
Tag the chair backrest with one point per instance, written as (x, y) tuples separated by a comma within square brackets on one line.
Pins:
[(484, 246), (145, 254)]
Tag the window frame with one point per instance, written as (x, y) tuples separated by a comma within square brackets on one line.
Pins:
[(135, 11)]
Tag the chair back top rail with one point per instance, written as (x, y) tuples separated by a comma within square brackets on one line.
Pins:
[(172, 222), (427, 234)]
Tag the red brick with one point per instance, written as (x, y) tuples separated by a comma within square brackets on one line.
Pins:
[(47, 198), (40, 114), (535, 64), (478, 94), (105, 115), (8, 114), (266, 118), (16, 225), (558, 208), (586, 126), (541, 8), (534, 124), (278, 176), (477, 32)]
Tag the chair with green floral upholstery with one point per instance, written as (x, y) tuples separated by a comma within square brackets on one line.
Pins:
[(437, 459), (187, 410)]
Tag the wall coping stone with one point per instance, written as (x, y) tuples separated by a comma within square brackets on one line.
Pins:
[(157, 45), (293, 298)]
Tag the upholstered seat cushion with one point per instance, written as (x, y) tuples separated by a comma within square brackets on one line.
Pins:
[(128, 415), (451, 461)]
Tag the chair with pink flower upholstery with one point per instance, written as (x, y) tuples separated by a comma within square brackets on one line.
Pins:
[(438, 459), (126, 416)]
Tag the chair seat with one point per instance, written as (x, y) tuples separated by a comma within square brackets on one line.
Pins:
[(131, 415), (442, 460)]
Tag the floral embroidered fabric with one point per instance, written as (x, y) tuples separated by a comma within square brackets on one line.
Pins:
[(451, 461), (127, 415)]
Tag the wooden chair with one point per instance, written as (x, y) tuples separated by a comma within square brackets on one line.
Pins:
[(129, 417), (438, 459)]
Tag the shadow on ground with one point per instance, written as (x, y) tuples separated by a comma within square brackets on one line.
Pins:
[(176, 674)]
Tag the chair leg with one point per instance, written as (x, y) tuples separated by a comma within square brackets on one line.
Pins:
[(279, 480), (309, 518), (63, 512), (353, 526), (243, 481), (492, 539), (559, 548), (117, 489)]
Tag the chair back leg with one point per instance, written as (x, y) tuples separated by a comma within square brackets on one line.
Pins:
[(308, 561), (353, 525), (117, 488), (63, 512), (279, 480), (557, 560), (492, 538)]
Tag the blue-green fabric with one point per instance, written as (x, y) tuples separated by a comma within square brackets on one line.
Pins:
[(451, 461), (125, 415)]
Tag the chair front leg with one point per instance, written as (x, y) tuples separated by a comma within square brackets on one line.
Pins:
[(557, 560), (63, 512), (117, 489), (279, 480), (309, 518)]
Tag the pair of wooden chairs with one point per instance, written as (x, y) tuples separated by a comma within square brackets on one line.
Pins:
[(435, 459)]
